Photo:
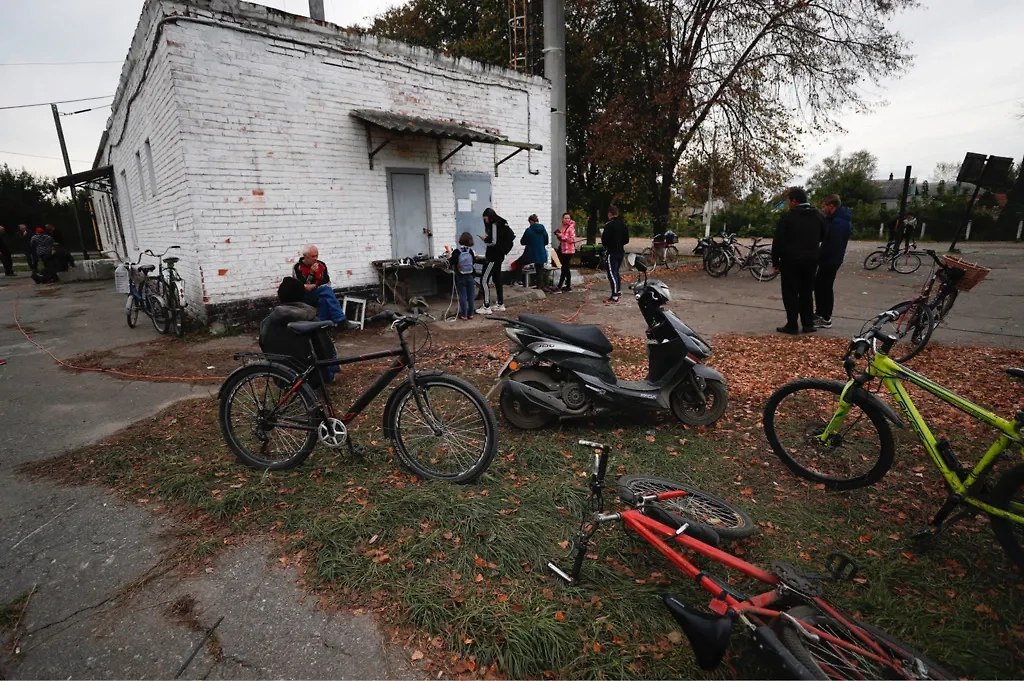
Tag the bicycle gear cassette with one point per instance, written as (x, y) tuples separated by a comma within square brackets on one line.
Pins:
[(333, 433)]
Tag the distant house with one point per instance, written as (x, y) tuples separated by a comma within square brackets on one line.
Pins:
[(889, 192)]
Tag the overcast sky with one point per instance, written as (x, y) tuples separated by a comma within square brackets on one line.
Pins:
[(962, 94)]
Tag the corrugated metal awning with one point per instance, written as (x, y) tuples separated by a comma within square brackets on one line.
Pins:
[(414, 125), (401, 124)]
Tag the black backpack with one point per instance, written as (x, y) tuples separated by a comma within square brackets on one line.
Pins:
[(506, 238)]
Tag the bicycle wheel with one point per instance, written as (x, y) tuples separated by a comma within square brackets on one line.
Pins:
[(945, 304), (827, 660), (265, 423), (697, 507), (648, 255), (453, 438), (906, 263), (857, 455), (131, 311), (1009, 496), (874, 260), (671, 257), (912, 329), (761, 267), (175, 313), (716, 262)]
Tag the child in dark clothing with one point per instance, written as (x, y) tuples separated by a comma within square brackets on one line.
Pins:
[(462, 263)]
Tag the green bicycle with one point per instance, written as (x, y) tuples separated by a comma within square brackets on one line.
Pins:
[(838, 434)]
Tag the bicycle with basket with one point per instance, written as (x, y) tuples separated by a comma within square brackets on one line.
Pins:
[(917, 319)]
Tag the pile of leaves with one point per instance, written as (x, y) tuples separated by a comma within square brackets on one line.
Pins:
[(459, 572)]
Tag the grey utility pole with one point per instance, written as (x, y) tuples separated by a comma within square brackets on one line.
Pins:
[(67, 167), (554, 70), (316, 10)]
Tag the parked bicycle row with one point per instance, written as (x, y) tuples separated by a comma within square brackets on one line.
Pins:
[(160, 297)]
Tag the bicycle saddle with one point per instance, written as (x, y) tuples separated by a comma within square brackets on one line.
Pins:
[(146, 269), (170, 261), (1016, 372), (306, 328), (707, 632)]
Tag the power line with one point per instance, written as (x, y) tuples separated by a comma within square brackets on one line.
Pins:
[(75, 113), (36, 156), (64, 101), (60, 63)]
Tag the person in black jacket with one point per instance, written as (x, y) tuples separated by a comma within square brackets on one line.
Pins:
[(795, 249), (5, 255), (499, 240), (614, 239)]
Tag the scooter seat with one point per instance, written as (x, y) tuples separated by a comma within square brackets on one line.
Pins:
[(584, 335)]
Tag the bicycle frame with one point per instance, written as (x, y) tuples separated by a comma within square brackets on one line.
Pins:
[(892, 374), (403, 361), (725, 601)]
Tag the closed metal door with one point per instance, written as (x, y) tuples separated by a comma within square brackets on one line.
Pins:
[(472, 196), (410, 217)]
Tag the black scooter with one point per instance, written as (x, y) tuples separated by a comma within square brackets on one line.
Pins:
[(563, 371)]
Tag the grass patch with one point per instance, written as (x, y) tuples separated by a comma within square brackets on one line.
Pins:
[(464, 566)]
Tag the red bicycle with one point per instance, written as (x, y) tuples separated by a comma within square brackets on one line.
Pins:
[(793, 626)]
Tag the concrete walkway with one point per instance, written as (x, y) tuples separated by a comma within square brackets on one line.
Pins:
[(81, 552)]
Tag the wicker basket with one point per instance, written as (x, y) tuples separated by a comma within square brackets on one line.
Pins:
[(973, 273)]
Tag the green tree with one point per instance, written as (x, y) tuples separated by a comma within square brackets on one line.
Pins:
[(849, 177), (35, 200)]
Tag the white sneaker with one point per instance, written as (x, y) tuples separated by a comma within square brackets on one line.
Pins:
[(498, 308), (483, 310)]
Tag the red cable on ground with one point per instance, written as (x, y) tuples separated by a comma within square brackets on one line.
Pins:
[(115, 372)]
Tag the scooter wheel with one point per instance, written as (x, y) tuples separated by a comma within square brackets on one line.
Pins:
[(691, 412), (520, 413)]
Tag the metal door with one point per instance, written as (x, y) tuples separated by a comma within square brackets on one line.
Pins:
[(410, 217), (472, 195)]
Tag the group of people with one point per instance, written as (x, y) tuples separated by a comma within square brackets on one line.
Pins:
[(808, 249), (43, 245), (499, 240)]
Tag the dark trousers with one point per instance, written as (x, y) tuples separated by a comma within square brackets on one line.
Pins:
[(824, 290), (465, 284), (5, 258), (540, 274), (614, 263), (798, 292), (49, 274), (565, 281), (492, 272), (31, 259)]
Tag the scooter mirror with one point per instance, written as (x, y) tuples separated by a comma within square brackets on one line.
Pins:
[(637, 262)]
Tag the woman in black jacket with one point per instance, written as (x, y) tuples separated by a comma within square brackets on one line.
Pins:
[(499, 239)]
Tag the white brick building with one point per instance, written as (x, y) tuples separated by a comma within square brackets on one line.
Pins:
[(233, 135)]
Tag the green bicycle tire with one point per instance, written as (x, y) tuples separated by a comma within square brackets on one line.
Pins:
[(823, 452), (1010, 490)]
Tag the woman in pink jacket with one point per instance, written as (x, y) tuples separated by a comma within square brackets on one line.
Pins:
[(566, 234)]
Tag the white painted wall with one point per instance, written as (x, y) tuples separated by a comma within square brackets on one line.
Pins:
[(256, 154)]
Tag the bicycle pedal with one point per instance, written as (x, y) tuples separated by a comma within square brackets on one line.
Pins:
[(841, 567), (358, 451)]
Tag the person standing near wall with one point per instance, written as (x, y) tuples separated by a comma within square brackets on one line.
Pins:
[(535, 238), (462, 262), (833, 251), (795, 251), (566, 234), (614, 239), (499, 239)]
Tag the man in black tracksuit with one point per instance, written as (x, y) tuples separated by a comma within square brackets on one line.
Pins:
[(614, 239), (795, 249)]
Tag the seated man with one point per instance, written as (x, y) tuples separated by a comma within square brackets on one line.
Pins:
[(276, 338), (318, 292)]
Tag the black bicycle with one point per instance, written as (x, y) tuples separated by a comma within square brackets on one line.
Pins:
[(272, 417)]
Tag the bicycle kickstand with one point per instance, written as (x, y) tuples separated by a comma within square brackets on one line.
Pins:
[(355, 451), (940, 523)]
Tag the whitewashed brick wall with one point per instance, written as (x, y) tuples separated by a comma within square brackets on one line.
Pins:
[(256, 154)]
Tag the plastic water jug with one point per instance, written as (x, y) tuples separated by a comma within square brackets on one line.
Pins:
[(121, 279)]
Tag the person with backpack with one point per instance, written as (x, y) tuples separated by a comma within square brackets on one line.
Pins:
[(614, 239), (499, 240), (462, 261)]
